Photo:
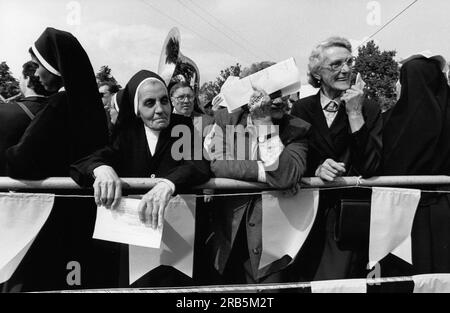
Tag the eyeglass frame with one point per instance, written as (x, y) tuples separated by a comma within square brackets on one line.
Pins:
[(341, 65), (181, 98)]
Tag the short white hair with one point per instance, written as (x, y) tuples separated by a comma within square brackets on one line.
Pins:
[(316, 57)]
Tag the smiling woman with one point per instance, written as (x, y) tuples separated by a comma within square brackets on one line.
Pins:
[(345, 141)]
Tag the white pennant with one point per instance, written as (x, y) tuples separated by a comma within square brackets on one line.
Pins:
[(177, 248), (391, 219), (21, 218), (286, 223), (339, 286), (436, 283)]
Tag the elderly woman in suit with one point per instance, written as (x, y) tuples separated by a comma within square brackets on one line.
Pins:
[(346, 140)]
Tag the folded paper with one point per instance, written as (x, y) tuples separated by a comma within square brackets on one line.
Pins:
[(21, 218), (278, 77), (286, 223), (177, 248), (391, 219), (122, 224)]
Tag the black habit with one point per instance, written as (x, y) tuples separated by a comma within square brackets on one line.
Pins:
[(130, 156), (417, 142), (71, 126)]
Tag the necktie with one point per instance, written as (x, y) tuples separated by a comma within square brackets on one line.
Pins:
[(331, 107)]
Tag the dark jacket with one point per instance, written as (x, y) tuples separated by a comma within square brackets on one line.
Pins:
[(130, 156), (361, 151), (14, 121), (229, 213)]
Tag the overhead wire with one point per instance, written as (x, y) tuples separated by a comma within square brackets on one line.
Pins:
[(189, 28), (229, 28), (243, 40), (389, 22)]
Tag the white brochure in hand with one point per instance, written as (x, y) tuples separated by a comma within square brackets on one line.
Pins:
[(122, 224)]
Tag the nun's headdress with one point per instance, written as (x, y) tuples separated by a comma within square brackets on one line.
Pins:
[(127, 98), (416, 137), (61, 54)]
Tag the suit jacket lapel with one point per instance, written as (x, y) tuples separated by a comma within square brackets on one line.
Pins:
[(340, 120)]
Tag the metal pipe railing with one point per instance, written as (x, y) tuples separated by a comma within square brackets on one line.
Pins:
[(7, 183)]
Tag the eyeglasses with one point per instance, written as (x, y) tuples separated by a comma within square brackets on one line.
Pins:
[(337, 66), (181, 98)]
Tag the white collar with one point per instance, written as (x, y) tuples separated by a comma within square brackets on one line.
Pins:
[(152, 138), (324, 100)]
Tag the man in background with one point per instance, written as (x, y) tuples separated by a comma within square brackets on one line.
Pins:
[(107, 91), (16, 115)]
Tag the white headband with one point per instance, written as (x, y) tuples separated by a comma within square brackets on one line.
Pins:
[(41, 59), (136, 102)]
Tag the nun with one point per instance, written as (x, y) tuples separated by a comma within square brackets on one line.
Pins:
[(72, 126), (417, 142), (143, 147)]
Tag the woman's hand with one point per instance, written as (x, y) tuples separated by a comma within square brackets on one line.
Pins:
[(107, 186)]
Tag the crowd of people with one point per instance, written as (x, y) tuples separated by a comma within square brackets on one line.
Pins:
[(67, 125)]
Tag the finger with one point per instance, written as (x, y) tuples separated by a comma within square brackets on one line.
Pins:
[(329, 167), (162, 207), (337, 167), (97, 192), (327, 174), (141, 210), (111, 194), (118, 195), (328, 177), (154, 214), (104, 192)]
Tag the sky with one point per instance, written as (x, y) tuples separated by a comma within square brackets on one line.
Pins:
[(128, 35)]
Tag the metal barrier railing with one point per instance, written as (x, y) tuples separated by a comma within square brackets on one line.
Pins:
[(7, 183)]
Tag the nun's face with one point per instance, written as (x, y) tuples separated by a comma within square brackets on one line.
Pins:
[(51, 82), (154, 105)]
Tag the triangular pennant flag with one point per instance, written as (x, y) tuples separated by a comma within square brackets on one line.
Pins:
[(436, 283), (286, 223), (177, 248), (391, 219), (21, 218), (339, 286)]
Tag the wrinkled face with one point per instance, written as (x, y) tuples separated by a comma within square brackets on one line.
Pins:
[(106, 95), (154, 105), (183, 101), (335, 79), (50, 81), (279, 107)]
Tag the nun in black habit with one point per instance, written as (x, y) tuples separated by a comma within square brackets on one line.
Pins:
[(417, 142), (71, 126), (142, 147)]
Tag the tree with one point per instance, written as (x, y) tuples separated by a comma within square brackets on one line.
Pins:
[(212, 88), (380, 72), (9, 86), (104, 75)]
